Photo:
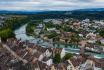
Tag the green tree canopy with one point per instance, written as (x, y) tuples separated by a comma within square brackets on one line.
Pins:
[(52, 34), (6, 33), (101, 33), (67, 56), (57, 58)]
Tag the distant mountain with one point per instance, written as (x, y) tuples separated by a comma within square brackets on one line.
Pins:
[(91, 9), (93, 13), (18, 12), (52, 12)]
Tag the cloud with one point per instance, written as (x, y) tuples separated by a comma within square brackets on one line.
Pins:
[(49, 4)]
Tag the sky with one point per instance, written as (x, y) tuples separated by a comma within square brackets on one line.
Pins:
[(37, 5)]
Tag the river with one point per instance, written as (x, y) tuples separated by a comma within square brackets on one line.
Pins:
[(21, 34)]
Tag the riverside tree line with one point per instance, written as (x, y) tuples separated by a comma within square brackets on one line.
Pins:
[(10, 24)]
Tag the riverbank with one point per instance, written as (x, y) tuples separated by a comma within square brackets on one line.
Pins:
[(42, 43), (10, 24)]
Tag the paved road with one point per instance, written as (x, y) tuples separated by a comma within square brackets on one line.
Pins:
[(14, 54)]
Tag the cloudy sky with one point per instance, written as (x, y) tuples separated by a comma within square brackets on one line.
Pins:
[(49, 4)]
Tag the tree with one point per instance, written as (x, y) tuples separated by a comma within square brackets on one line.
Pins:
[(101, 33), (6, 33), (49, 24), (52, 34), (57, 58), (67, 56), (67, 29), (75, 38), (30, 29), (15, 22)]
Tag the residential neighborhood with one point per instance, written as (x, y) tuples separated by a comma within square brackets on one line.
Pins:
[(53, 44)]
